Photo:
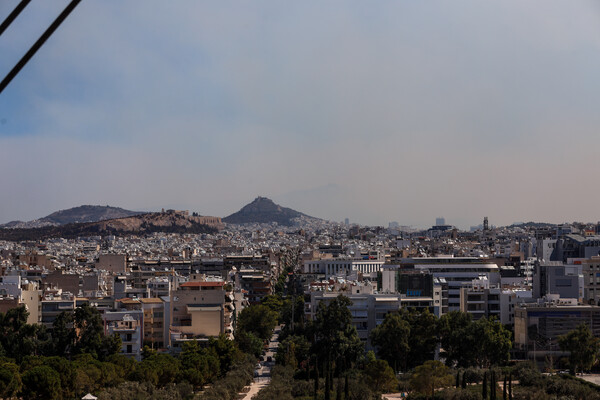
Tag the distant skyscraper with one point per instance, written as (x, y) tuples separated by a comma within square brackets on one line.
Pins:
[(347, 221), (485, 224), (440, 221)]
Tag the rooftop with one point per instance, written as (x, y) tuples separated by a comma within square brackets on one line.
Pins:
[(202, 284)]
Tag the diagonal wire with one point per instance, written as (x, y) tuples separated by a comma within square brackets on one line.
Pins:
[(39, 43), (13, 15)]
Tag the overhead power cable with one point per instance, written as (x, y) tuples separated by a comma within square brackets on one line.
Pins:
[(39, 43), (13, 15)]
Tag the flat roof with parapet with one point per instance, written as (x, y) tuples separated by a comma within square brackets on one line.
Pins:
[(151, 300), (129, 300), (202, 284)]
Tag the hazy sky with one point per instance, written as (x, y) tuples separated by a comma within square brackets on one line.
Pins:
[(377, 111)]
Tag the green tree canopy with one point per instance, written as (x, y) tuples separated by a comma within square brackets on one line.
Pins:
[(19, 339), (90, 337), (249, 343), (10, 380), (226, 351), (92, 375), (257, 319), (63, 334), (273, 301), (391, 339), (453, 329), (466, 343), (336, 337), (199, 365), (423, 339), (298, 312), (493, 342), (407, 338), (66, 372), (583, 348), (42, 383), (380, 377), (430, 376), (165, 366), (293, 350)]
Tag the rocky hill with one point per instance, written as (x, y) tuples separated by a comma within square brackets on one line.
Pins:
[(81, 214), (88, 213), (168, 222), (263, 210)]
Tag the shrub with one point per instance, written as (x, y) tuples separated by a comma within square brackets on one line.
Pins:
[(473, 375), (528, 374), (229, 386)]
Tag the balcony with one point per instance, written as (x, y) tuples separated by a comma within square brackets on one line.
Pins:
[(124, 329), (478, 301)]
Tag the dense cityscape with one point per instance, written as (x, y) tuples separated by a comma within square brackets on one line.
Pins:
[(300, 308), (389, 148)]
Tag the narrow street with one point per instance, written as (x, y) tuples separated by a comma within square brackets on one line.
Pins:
[(262, 375)]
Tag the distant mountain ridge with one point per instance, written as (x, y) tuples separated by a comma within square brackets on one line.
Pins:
[(531, 224), (263, 210), (81, 214), (167, 222), (88, 213)]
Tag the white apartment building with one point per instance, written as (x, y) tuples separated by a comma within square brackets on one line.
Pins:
[(332, 267), (458, 272), (128, 326)]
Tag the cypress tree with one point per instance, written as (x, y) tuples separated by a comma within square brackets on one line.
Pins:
[(464, 380), (327, 377), (346, 388), (492, 385), (484, 388), (331, 375), (316, 380), (457, 379)]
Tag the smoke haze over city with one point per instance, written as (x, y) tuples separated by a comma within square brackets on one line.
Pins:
[(387, 111)]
